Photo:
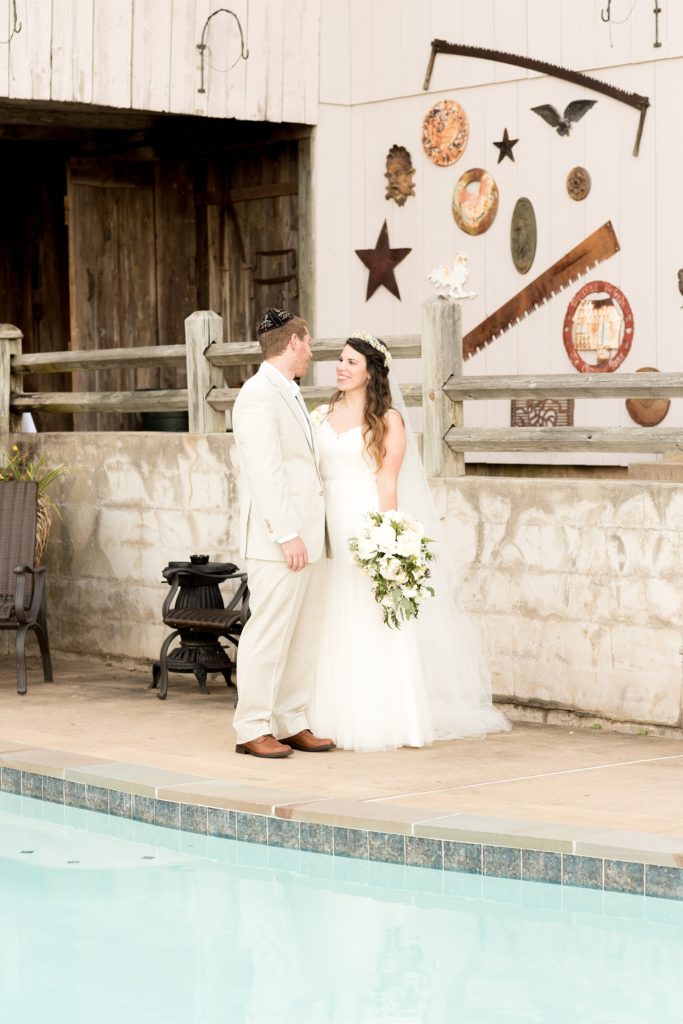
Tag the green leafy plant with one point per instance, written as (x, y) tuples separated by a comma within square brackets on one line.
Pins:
[(24, 466)]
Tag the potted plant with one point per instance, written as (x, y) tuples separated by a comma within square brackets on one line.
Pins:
[(22, 465)]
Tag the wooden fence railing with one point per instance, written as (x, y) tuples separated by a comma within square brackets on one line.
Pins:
[(441, 390)]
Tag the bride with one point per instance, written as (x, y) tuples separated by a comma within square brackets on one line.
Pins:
[(379, 688)]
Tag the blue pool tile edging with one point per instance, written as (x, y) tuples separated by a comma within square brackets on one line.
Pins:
[(484, 859)]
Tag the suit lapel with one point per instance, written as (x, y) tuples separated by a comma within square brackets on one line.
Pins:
[(280, 385)]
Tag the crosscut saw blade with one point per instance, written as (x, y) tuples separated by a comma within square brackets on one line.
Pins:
[(592, 250)]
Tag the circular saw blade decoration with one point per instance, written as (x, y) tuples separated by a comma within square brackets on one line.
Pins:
[(598, 328), (445, 131), (474, 210), (647, 412)]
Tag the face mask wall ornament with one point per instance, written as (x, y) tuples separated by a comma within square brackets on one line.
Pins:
[(399, 174)]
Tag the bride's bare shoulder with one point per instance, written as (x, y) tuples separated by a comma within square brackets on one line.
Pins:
[(393, 419)]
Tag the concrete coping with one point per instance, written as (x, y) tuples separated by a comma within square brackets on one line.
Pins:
[(578, 855)]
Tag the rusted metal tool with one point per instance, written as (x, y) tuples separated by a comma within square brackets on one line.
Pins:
[(632, 99), (592, 250)]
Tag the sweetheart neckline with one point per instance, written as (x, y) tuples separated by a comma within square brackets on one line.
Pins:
[(343, 432)]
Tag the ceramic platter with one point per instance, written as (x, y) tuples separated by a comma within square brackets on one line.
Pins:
[(445, 132)]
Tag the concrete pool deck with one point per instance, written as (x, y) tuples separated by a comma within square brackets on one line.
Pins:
[(566, 790), (98, 737)]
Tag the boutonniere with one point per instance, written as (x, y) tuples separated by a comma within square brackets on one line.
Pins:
[(318, 415)]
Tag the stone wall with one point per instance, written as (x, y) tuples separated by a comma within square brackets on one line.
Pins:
[(576, 587), (131, 503), (575, 584)]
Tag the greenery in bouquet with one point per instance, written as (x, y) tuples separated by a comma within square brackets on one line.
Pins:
[(391, 549), (22, 465)]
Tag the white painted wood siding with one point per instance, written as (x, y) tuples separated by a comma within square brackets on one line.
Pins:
[(142, 54), (374, 99)]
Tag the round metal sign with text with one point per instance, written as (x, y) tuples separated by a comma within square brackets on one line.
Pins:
[(598, 328)]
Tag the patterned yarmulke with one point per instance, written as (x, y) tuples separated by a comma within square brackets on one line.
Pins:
[(273, 318)]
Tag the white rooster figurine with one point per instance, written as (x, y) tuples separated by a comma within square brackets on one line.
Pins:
[(451, 280)]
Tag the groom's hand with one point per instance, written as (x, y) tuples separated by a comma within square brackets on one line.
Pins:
[(295, 553)]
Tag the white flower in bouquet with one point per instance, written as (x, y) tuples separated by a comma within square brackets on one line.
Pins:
[(391, 549), (409, 545), (384, 537), (367, 547), (392, 569)]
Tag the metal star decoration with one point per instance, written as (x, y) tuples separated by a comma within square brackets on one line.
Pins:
[(381, 261), (505, 146)]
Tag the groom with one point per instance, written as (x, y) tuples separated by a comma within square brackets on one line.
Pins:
[(282, 528)]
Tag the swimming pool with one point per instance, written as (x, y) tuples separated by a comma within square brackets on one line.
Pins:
[(107, 919)]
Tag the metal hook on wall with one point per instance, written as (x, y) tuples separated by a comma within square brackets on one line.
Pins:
[(606, 15), (657, 11), (203, 45), (16, 27)]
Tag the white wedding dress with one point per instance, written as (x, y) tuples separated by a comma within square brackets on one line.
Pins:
[(377, 688)]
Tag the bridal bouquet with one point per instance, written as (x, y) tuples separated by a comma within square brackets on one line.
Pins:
[(390, 548)]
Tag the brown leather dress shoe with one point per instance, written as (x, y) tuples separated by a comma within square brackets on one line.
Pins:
[(264, 746), (305, 740)]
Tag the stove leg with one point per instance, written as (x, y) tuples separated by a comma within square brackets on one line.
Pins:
[(201, 678), (156, 669)]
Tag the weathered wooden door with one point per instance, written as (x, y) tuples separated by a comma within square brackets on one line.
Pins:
[(112, 273)]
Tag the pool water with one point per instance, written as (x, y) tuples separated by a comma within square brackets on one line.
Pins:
[(108, 920)]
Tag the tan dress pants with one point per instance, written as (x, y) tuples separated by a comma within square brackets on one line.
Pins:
[(278, 649)]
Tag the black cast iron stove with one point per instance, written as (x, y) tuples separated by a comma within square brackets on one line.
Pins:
[(195, 609)]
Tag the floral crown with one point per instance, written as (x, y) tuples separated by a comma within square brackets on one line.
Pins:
[(378, 345)]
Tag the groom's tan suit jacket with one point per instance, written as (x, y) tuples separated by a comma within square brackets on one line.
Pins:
[(281, 489)]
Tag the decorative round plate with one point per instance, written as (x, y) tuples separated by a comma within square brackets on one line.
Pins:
[(445, 132), (598, 328), (523, 235), (578, 183), (474, 211), (647, 412)]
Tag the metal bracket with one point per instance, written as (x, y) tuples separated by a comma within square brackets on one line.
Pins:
[(657, 10)]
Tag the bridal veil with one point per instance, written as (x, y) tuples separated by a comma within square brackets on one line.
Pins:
[(455, 670)]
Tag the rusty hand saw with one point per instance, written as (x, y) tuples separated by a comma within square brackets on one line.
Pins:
[(594, 249)]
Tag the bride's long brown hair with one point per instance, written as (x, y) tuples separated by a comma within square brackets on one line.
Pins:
[(377, 401)]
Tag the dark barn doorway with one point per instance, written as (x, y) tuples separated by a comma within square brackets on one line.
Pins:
[(119, 224)]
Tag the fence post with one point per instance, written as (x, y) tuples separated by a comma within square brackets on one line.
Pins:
[(203, 329), (441, 357), (10, 345)]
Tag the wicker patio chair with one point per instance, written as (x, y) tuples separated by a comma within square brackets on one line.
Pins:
[(200, 628), (22, 585)]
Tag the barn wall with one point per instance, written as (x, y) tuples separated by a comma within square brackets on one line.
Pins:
[(142, 54), (373, 63)]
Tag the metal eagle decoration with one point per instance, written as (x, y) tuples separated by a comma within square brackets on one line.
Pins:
[(562, 123)]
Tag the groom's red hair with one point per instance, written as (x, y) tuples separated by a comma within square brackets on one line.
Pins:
[(274, 342)]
